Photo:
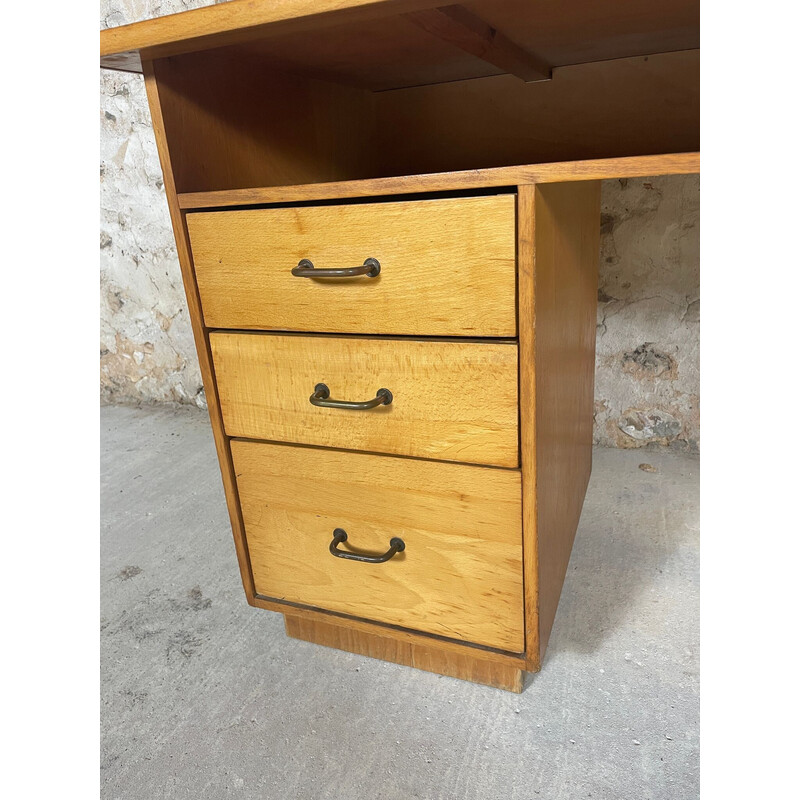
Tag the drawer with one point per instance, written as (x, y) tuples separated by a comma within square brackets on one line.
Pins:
[(460, 574), (451, 400), (447, 267)]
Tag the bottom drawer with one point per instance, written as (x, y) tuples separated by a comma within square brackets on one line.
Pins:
[(459, 575)]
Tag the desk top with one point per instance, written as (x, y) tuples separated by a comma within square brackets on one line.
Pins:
[(313, 94), (390, 44)]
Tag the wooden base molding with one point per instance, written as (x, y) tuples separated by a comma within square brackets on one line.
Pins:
[(478, 668)]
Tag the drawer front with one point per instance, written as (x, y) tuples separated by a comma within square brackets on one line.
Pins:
[(455, 401), (447, 267), (460, 574)]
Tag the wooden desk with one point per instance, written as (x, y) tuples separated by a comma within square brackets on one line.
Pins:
[(387, 220)]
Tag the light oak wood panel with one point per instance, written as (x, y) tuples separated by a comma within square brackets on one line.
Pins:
[(396, 632), (595, 169), (626, 107), (460, 574), (594, 30), (455, 401), (453, 42), (527, 417), (566, 247), (375, 54), (468, 667), (216, 26), (165, 147), (223, 123), (582, 30), (238, 124), (468, 32), (448, 267)]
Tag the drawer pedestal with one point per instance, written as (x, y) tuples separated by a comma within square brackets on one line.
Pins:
[(480, 322)]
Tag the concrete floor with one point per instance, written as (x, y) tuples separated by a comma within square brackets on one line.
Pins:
[(205, 697)]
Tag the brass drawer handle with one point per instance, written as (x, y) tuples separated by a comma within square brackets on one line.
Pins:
[(322, 394), (305, 269), (396, 545)]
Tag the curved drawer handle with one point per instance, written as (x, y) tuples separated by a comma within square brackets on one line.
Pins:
[(322, 394), (396, 545), (305, 269)]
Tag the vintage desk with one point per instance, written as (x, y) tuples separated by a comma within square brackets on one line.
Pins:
[(387, 218)]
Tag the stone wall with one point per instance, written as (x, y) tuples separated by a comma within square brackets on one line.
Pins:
[(647, 375)]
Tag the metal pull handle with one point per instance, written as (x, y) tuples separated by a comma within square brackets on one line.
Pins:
[(322, 394), (396, 545), (305, 269)]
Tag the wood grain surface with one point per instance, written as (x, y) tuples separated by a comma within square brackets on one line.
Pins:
[(227, 140), (476, 666), (558, 172), (527, 417), (582, 30), (232, 23), (448, 267), (460, 574), (619, 108), (397, 632), (479, 467), (625, 107), (468, 32), (566, 247), (453, 400)]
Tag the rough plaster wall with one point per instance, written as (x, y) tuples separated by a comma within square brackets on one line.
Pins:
[(146, 346), (647, 377)]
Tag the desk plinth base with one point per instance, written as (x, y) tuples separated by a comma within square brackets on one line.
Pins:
[(426, 657)]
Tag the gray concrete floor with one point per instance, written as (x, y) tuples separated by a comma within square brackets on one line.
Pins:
[(205, 697)]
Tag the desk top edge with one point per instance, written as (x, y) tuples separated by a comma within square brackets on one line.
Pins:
[(629, 30), (123, 47)]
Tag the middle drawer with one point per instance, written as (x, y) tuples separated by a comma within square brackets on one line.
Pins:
[(454, 401)]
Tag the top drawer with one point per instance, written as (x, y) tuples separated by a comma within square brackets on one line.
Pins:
[(447, 267)]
